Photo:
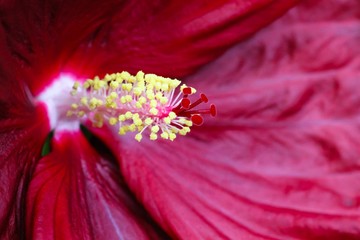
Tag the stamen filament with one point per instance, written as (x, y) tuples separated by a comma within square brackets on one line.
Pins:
[(138, 103)]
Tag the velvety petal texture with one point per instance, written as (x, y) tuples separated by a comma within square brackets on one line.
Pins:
[(281, 160), (19, 150), (75, 193), (89, 38), (42, 35), (173, 38)]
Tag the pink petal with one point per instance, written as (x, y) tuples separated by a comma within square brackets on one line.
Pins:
[(88, 38), (75, 193), (281, 160), (23, 130)]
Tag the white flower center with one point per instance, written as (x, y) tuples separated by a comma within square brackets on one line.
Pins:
[(57, 99)]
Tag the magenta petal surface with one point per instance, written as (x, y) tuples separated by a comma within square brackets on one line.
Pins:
[(77, 194), (281, 160)]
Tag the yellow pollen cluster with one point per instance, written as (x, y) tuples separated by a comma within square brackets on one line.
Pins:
[(132, 103)]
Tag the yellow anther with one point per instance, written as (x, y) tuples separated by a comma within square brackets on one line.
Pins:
[(118, 78), (74, 106), (69, 113), (128, 98), (110, 102), (188, 123), (108, 77), (112, 121), (138, 104), (153, 111), (97, 83), (109, 99), (158, 86), (137, 121), (172, 136), (84, 101), (153, 136), (125, 75), (76, 85), (185, 122), (142, 100), (167, 120), (155, 129), (165, 87), (128, 115), (127, 87), (149, 77), (73, 92), (114, 84), (158, 95), (153, 103), (138, 137), (131, 79), (140, 76), (148, 121), (123, 99), (164, 100), (113, 95), (93, 103), (132, 128), (164, 135), (150, 87), (138, 91), (150, 95), (136, 115), (122, 118), (174, 83), (81, 114), (87, 84), (184, 131), (122, 130), (172, 115), (175, 130)]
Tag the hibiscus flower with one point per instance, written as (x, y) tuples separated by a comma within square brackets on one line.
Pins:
[(278, 162)]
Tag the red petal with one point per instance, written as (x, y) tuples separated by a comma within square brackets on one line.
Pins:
[(88, 38), (77, 194), (174, 38), (281, 159), (37, 38), (23, 130)]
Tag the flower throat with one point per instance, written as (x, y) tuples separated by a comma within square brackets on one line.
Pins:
[(145, 102)]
